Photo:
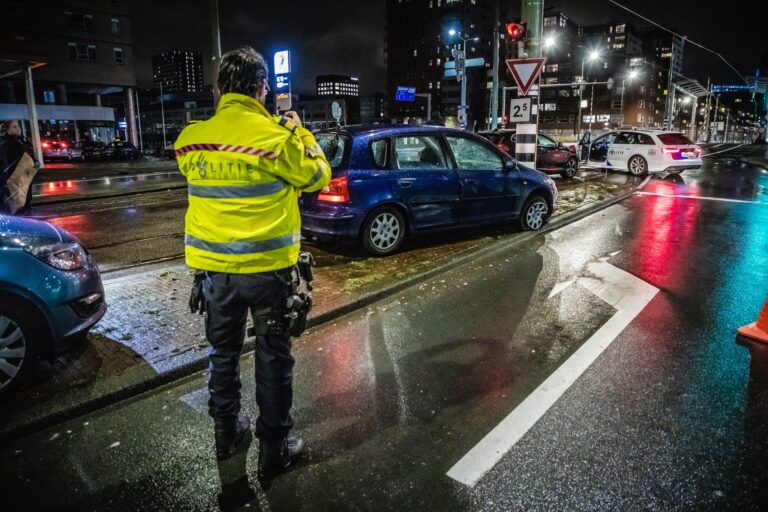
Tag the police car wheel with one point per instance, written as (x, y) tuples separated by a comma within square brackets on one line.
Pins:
[(18, 347), (638, 166), (534, 214), (384, 231), (571, 168)]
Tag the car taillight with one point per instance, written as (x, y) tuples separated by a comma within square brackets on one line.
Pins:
[(45, 144), (697, 152), (63, 146), (669, 151), (336, 191)]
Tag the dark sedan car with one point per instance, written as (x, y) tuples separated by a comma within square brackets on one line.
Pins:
[(121, 150), (50, 295), (393, 182), (552, 157)]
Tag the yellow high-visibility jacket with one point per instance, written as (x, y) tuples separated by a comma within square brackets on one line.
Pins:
[(243, 169)]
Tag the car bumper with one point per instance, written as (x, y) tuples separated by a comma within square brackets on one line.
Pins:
[(331, 222), (677, 165), (66, 295)]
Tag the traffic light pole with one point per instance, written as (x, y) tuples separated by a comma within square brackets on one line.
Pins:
[(463, 106), (527, 133), (495, 86)]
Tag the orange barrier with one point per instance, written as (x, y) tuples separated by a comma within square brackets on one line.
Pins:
[(759, 330)]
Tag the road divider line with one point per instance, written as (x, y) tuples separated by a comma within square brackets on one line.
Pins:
[(625, 292), (703, 198), (723, 151)]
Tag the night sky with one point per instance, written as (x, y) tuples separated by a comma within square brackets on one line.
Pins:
[(347, 36)]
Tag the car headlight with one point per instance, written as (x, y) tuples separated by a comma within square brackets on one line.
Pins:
[(64, 256)]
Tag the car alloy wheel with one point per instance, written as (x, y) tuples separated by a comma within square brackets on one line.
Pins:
[(13, 351), (385, 231), (638, 166), (571, 168), (534, 214)]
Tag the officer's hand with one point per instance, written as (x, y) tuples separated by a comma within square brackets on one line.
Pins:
[(197, 297), (294, 117)]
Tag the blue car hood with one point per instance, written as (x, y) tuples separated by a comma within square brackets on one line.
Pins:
[(21, 232)]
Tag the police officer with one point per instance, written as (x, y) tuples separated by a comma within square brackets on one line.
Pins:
[(244, 168)]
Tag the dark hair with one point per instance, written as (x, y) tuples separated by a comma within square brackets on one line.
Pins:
[(6, 125), (241, 71)]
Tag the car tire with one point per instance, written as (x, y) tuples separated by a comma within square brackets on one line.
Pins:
[(20, 340), (534, 214), (637, 166), (384, 231), (571, 168)]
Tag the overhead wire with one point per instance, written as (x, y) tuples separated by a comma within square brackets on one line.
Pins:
[(684, 38)]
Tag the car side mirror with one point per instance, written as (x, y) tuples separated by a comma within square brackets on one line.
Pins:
[(510, 165), (559, 145)]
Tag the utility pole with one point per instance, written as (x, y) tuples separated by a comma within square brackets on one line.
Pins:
[(717, 112), (162, 113), (138, 120), (216, 49), (495, 86), (706, 110), (532, 15)]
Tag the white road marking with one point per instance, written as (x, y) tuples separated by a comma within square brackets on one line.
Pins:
[(625, 292), (703, 198), (723, 151)]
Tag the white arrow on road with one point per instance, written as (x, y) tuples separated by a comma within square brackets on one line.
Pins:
[(625, 292)]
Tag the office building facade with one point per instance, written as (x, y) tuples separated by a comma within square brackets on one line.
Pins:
[(178, 71)]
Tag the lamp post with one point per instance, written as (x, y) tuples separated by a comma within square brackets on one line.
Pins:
[(631, 76), (461, 72), (593, 56)]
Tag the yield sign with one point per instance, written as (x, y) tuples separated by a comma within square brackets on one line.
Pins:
[(525, 72)]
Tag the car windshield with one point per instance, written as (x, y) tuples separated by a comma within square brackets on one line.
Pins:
[(333, 145), (675, 139)]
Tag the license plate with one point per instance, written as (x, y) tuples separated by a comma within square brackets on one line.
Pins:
[(688, 154)]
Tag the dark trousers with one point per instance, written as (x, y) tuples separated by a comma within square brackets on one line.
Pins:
[(230, 297)]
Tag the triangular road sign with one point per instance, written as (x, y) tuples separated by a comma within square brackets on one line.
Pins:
[(525, 72)]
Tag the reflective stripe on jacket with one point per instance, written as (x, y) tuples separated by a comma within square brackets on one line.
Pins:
[(243, 169)]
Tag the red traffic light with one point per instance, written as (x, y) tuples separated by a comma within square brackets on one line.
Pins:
[(516, 31)]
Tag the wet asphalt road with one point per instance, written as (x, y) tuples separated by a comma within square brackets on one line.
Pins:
[(671, 416)]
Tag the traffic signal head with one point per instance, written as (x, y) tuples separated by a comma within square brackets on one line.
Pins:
[(516, 31)]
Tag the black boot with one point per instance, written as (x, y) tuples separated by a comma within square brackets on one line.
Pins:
[(233, 436), (274, 458)]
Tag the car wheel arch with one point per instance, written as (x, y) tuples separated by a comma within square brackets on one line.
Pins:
[(543, 192), (401, 208), (45, 335)]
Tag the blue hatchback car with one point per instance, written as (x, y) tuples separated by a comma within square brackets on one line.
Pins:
[(50, 295), (392, 182)]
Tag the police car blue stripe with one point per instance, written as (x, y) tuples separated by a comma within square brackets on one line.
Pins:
[(255, 247), (230, 192)]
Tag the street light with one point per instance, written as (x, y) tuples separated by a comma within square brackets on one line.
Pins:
[(549, 42), (630, 76), (593, 56), (463, 71)]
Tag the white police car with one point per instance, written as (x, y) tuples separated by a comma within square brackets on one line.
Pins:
[(640, 151)]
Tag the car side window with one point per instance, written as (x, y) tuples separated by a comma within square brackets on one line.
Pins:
[(645, 139), (625, 138), (546, 142), (419, 153), (472, 156), (380, 153)]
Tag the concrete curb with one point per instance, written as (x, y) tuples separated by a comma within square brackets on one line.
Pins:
[(201, 364)]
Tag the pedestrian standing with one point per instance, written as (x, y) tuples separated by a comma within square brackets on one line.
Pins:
[(17, 169), (244, 170)]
